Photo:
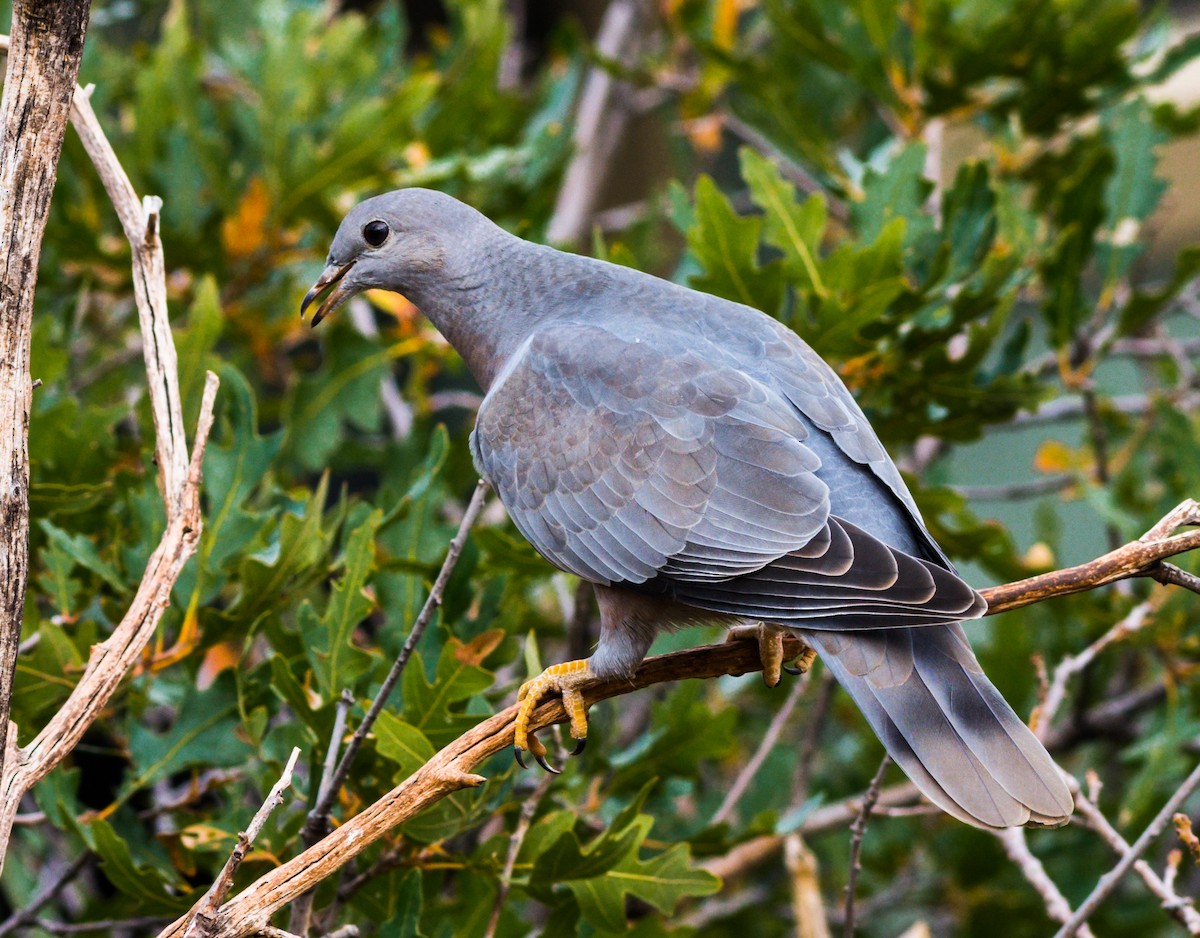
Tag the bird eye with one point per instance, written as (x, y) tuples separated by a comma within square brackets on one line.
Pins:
[(375, 232)]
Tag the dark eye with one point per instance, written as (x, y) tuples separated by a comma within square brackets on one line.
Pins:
[(375, 232)]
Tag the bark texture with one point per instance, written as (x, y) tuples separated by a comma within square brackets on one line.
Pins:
[(43, 63)]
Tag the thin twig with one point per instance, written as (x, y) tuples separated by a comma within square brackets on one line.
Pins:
[(316, 824), (525, 819), (298, 920), (1017, 490), (1178, 906), (1043, 715), (1017, 848), (1108, 882), (28, 914), (812, 737), (770, 738), (204, 915), (858, 830)]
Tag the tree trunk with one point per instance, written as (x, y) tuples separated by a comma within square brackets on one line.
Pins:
[(43, 62)]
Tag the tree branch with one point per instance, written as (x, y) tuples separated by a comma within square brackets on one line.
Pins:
[(451, 769), (46, 48), (1137, 558), (179, 482)]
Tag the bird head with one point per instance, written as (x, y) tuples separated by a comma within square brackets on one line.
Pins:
[(396, 241)]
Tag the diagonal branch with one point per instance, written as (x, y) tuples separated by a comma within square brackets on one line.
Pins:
[(452, 768), (1142, 557)]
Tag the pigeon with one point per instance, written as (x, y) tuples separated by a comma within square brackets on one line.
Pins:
[(696, 462)]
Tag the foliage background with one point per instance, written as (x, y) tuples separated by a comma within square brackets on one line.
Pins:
[(987, 176)]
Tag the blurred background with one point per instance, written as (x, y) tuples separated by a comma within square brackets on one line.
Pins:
[(984, 215)]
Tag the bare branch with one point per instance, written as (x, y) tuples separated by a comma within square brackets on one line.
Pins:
[(807, 904), (318, 819), (770, 738), (858, 831), (1108, 882), (1138, 558), (1017, 848), (528, 809), (28, 915), (599, 123), (1178, 906), (47, 45), (1044, 714), (204, 916)]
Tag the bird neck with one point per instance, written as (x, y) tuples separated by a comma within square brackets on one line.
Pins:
[(487, 300)]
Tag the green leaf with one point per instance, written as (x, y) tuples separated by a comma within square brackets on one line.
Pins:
[(661, 882), (144, 883), (203, 733), (427, 705), (795, 229), (336, 662), (234, 464), (727, 247), (402, 743), (1133, 190), (83, 552)]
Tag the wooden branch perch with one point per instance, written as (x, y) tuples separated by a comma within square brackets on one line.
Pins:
[(452, 768), (179, 482), (1142, 557)]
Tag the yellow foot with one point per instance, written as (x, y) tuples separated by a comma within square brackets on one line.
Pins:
[(770, 650), (564, 679)]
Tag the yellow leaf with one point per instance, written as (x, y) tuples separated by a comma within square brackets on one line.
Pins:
[(1053, 456), (417, 154), (245, 232), (1039, 557), (392, 303)]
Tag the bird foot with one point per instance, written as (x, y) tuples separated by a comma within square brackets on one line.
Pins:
[(770, 650), (564, 679)]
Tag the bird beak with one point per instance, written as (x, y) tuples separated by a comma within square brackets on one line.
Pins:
[(331, 276)]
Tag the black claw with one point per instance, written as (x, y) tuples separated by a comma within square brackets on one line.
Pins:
[(792, 669), (541, 760), (579, 746), (520, 761)]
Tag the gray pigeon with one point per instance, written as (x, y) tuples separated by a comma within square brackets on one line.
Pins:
[(696, 461)]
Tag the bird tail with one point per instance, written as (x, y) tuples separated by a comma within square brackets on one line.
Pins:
[(946, 725)]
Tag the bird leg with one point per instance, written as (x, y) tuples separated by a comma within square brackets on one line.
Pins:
[(770, 650), (564, 679)]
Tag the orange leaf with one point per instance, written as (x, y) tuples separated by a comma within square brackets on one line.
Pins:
[(1054, 456), (245, 232), (478, 648)]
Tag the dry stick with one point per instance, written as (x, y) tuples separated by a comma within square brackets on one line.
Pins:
[(1178, 906), (205, 918), (450, 770), (47, 45), (28, 915), (1017, 848), (301, 913), (1043, 714), (318, 819), (179, 482), (528, 810), (1108, 882), (770, 738), (858, 830), (808, 908)]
